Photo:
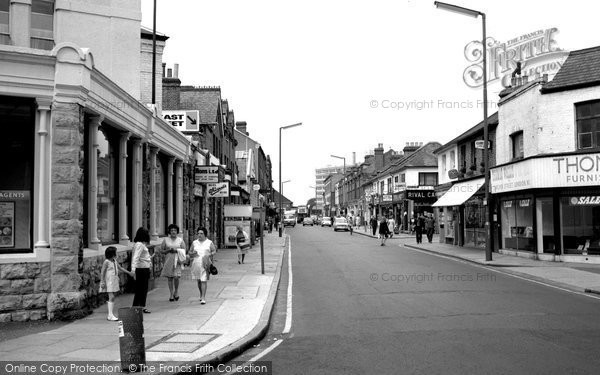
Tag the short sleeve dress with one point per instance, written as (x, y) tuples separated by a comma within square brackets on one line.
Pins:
[(169, 268), (111, 277), (202, 261)]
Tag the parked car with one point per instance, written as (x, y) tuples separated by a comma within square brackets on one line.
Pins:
[(307, 221), (326, 222), (341, 223)]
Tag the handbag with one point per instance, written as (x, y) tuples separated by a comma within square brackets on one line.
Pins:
[(213, 270)]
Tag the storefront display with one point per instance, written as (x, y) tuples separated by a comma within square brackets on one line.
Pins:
[(517, 224), (581, 224), (475, 223)]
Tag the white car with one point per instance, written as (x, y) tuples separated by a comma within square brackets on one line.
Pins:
[(341, 223), (326, 222)]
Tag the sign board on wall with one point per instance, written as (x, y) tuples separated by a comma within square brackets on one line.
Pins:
[(205, 174), (553, 171), (218, 189), (182, 120)]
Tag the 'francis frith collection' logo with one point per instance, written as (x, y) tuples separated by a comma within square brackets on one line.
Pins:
[(537, 52)]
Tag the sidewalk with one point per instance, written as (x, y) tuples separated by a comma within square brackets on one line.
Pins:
[(238, 306)]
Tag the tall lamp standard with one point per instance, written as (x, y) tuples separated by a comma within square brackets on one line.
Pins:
[(280, 184), (486, 136), (343, 182)]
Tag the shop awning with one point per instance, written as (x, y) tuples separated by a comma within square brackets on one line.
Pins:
[(459, 193)]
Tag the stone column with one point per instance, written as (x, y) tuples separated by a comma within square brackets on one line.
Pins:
[(153, 155), (170, 191), (93, 241), (20, 22), (123, 238), (136, 185), (179, 193), (43, 192)]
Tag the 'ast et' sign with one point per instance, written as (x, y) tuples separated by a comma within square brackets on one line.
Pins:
[(182, 120), (552, 171)]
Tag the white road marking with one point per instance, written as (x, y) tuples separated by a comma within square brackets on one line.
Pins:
[(491, 268), (288, 318)]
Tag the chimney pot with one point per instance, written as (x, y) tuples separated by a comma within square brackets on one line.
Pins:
[(545, 77)]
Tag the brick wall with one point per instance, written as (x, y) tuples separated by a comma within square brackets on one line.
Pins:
[(146, 71)]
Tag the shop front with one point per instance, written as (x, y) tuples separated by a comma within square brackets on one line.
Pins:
[(549, 207)]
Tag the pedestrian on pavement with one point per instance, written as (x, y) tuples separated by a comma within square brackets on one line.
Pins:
[(270, 224), (391, 224), (429, 226), (141, 262), (202, 251), (110, 279), (419, 224), (374, 224), (242, 242), (383, 230), (174, 248)]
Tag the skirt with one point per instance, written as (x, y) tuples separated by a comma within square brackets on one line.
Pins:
[(169, 269), (112, 284), (198, 270)]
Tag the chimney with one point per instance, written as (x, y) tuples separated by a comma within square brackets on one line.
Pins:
[(176, 71), (241, 126), (379, 157), (169, 72), (354, 158), (410, 147)]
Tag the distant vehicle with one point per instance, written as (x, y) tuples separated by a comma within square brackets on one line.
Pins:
[(307, 221), (317, 221), (326, 222), (289, 220), (341, 223)]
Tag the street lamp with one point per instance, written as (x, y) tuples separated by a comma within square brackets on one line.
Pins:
[(280, 184), (486, 136), (343, 183)]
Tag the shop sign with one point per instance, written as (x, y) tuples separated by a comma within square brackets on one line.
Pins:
[(420, 187), (399, 187), (206, 174), (585, 201), (548, 172), (387, 198), (524, 202), (421, 196), (182, 120), (507, 204), (198, 190), (218, 189)]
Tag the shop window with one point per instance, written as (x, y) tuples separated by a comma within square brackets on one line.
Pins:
[(546, 222), (475, 223), (517, 145), (42, 24), (4, 22), (428, 179), (517, 224), (588, 124), (17, 150), (106, 208), (581, 224)]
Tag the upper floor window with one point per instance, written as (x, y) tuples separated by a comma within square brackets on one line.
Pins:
[(588, 124), (428, 179), (517, 145), (452, 160), (389, 184), (42, 24), (402, 177), (4, 21), (444, 164)]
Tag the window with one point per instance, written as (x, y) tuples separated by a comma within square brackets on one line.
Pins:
[(463, 156), (402, 177), (42, 24), (428, 179), (517, 145), (444, 164), (4, 21), (452, 160), (389, 184), (106, 188), (588, 124), (517, 224)]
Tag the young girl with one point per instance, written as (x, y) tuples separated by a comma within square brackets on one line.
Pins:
[(110, 279)]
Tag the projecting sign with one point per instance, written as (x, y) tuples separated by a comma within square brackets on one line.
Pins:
[(218, 190), (204, 174), (256, 187), (480, 144), (182, 120)]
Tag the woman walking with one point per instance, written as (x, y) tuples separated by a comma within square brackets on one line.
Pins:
[(201, 252), (383, 230), (110, 279), (242, 242), (174, 248), (140, 267)]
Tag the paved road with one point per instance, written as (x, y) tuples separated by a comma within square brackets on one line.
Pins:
[(366, 309)]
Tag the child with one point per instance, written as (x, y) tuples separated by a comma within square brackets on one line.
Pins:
[(110, 279)]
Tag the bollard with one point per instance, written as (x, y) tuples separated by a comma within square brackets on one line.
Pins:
[(131, 338)]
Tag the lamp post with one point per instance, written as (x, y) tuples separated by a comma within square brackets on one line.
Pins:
[(280, 184), (486, 136), (343, 182)]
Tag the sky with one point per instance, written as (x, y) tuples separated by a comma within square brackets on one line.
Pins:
[(355, 73)]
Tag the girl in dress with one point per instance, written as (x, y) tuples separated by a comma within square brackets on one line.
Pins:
[(110, 279), (201, 252), (174, 248)]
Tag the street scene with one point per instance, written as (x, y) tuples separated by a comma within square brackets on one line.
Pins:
[(267, 187)]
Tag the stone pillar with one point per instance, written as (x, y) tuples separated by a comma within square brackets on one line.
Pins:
[(179, 193), (43, 192), (153, 156), (170, 218), (20, 22), (123, 238), (93, 241), (136, 186)]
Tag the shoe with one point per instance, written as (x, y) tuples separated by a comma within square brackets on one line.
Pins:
[(239, 262), (202, 302), (112, 318), (146, 311), (176, 298), (171, 299)]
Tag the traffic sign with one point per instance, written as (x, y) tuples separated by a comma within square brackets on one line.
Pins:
[(183, 120)]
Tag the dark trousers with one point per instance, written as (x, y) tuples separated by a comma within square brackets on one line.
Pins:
[(429, 234), (374, 230), (419, 231), (142, 275)]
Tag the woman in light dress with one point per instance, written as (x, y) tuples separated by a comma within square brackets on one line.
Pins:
[(174, 248), (202, 251), (242, 243)]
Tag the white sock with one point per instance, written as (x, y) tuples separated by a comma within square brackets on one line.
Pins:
[(110, 309)]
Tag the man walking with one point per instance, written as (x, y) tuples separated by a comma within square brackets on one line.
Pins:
[(374, 224), (419, 223), (429, 226)]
